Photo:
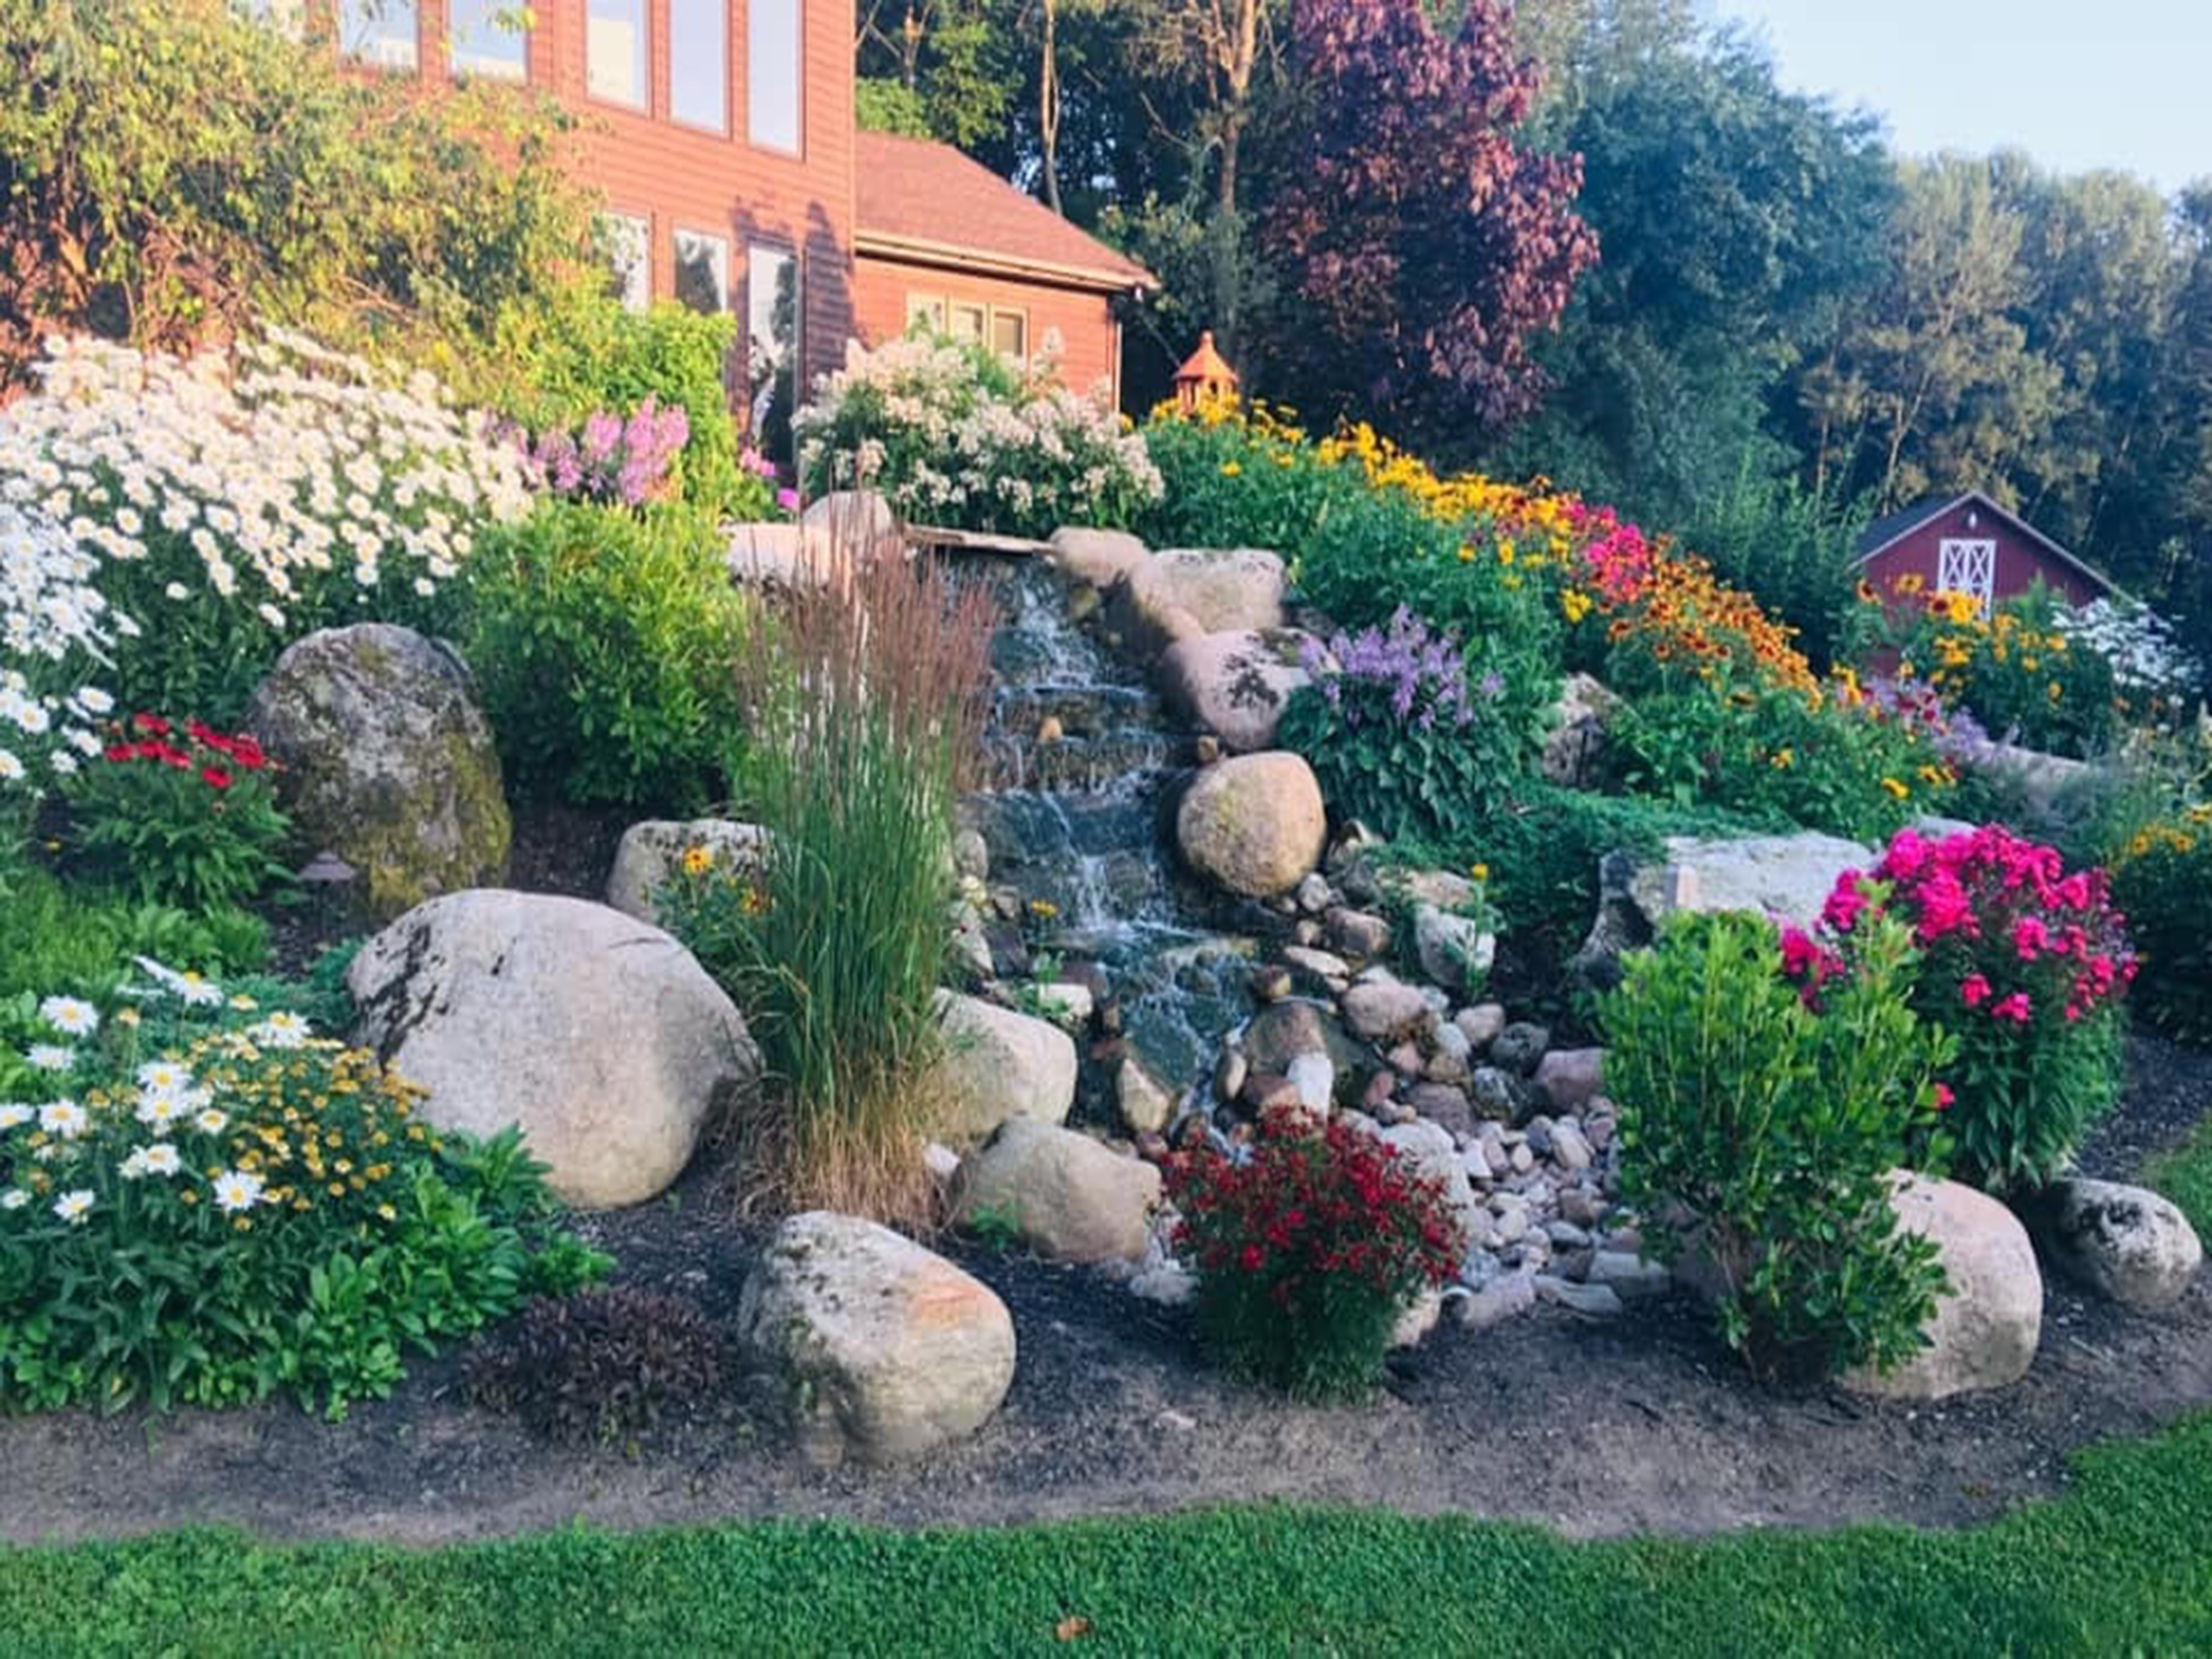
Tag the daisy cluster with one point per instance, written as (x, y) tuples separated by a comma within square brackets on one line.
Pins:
[(283, 479), (55, 633)]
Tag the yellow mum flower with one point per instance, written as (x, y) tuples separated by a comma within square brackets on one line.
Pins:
[(1895, 788)]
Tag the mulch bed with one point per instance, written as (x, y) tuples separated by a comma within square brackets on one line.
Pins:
[(1644, 1423)]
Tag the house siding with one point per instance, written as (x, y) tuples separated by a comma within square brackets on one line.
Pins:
[(2019, 559), (1090, 337)]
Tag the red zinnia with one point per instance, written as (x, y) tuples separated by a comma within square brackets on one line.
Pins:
[(214, 777)]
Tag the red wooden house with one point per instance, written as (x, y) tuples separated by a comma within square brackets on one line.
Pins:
[(1967, 543)]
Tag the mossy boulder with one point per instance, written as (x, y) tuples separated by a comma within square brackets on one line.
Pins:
[(387, 761)]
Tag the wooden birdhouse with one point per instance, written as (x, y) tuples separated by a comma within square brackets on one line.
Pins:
[(1205, 375)]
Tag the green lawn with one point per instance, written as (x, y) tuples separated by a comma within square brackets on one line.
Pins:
[(2122, 1564), (2184, 1175)]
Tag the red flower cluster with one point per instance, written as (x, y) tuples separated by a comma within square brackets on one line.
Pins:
[(216, 757), (1310, 1214)]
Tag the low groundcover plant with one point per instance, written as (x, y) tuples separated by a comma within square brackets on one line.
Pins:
[(203, 1203), (1307, 1252)]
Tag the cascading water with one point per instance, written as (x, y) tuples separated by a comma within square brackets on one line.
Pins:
[(1085, 772)]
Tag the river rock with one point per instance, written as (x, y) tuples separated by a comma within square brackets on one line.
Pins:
[(881, 1349), (1183, 592), (1480, 1024), (385, 759), (1234, 684), (1520, 1046), (651, 855), (1495, 1092), (1360, 932), (1000, 1064), (1314, 1076), (1569, 1078), (2126, 1243), (1418, 1318), (1574, 748), (1443, 1104), (1786, 877), (1431, 1153), (1454, 950), (1253, 824), (598, 1034), (1385, 1011), (1986, 1326), (1069, 1198), (1100, 557), (1146, 1103), (1283, 1030)]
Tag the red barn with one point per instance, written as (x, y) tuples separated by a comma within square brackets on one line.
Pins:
[(1969, 544)]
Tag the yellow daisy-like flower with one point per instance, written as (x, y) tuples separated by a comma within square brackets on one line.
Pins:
[(1231, 470), (1480, 871), (697, 860), (1783, 759), (1900, 791)]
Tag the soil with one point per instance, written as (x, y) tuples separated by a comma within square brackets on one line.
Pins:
[(1642, 1424)]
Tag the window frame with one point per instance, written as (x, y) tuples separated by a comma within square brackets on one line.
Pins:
[(720, 129), (789, 253), (1021, 314), (981, 310), (677, 235), (643, 222), (797, 147), (350, 55), (643, 61), (917, 303), (498, 76)]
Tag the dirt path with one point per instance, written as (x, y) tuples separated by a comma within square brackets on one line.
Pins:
[(1644, 1424)]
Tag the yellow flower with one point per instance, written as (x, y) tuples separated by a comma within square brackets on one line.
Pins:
[(1043, 909), (1480, 871), (1506, 552), (1466, 554), (1895, 788), (387, 1212), (1575, 604), (1783, 759), (697, 860), (2056, 692), (1231, 470)]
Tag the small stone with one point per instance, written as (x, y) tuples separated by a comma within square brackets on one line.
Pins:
[(1504, 1296), (1270, 983), (1207, 749), (1442, 1104), (1581, 1207), (1591, 1301), (1378, 1092), (1481, 1023), (1307, 931), (1321, 965), (1314, 1076), (1313, 894), (1269, 1091), (1569, 1149), (2125, 1242), (1229, 1073), (1522, 1159), (1358, 933), (1418, 1319), (1171, 1284), (1065, 1004), (1447, 1068), (1565, 1235), (1512, 1225), (1406, 1059), (1049, 730), (1519, 1047), (971, 856), (1630, 1276), (1452, 949), (940, 1160), (1385, 1011), (1496, 1094), (1144, 1102), (1451, 1040)]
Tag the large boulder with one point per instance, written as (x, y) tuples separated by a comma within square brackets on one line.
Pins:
[(386, 761), (1184, 593), (1000, 1064), (855, 522), (880, 1349), (2035, 780), (2125, 1242), (1575, 746), (1235, 684), (598, 1036), (1986, 1326), (1253, 824), (1454, 950), (1100, 557), (1067, 1196), (1787, 877), (784, 557), (654, 853)]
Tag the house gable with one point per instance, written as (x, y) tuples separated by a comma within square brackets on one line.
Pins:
[(1969, 541)]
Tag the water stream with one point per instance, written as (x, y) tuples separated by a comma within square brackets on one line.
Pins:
[(1084, 821)]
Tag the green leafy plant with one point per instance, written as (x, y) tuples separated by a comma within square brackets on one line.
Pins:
[(600, 1365), (1758, 1127), (62, 938), (1308, 1253), (995, 1227), (181, 814), (2159, 878), (202, 1202), (605, 643), (867, 700), (1240, 476)]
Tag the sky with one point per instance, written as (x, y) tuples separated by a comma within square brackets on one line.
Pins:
[(2112, 83)]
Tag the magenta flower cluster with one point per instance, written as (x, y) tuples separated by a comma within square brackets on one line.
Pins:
[(1421, 674), (610, 459)]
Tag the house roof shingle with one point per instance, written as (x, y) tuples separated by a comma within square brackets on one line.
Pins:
[(921, 199)]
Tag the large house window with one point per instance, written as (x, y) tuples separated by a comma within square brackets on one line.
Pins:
[(702, 272), (614, 52), (699, 63), (628, 242), (379, 32), (288, 17), (775, 31), (771, 348), (488, 38)]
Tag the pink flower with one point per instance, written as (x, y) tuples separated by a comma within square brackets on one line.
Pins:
[(1908, 856), (2015, 1008), (1974, 990), (1845, 902), (1943, 1096), (2029, 936), (1799, 954)]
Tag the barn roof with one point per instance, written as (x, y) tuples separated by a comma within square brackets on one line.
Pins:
[(918, 199), (1885, 533)]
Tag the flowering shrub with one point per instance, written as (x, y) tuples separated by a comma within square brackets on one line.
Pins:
[(1307, 1254), (1394, 733), (610, 459), (202, 1202), (180, 814), (55, 633), (2024, 963), (955, 436), (2160, 879), (227, 507), (2151, 670), (1236, 473), (1758, 1127)]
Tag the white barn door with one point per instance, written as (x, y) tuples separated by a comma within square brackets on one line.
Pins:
[(1963, 566)]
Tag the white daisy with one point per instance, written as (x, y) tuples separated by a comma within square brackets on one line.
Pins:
[(13, 1199), (72, 1206), (50, 1057), (164, 1076), (212, 1121), (71, 1017), (64, 1118), (14, 1113), (236, 1190), (160, 1158), (281, 1031)]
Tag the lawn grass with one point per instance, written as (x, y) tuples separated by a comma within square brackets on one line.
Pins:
[(2120, 1563), (2184, 1175)]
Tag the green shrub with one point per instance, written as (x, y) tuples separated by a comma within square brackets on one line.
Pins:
[(180, 814), (1307, 1252), (1789, 547), (1240, 477), (2161, 876), (605, 645), (1757, 1134), (60, 937), (867, 699), (204, 1204)]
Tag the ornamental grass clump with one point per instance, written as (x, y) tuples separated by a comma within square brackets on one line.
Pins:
[(1307, 1252), (867, 699), (2024, 964), (203, 1203), (1759, 1122)]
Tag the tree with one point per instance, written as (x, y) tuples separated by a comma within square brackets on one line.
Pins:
[(1423, 246), (952, 58)]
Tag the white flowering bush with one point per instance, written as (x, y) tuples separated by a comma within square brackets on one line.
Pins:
[(2148, 663), (55, 634), (222, 506), (202, 1201), (956, 436)]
